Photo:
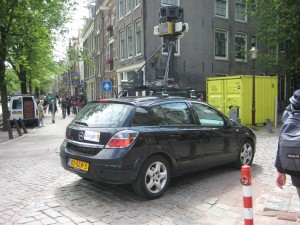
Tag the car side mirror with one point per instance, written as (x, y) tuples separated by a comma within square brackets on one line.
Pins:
[(231, 123)]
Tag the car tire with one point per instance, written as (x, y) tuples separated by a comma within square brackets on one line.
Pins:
[(153, 178), (246, 154)]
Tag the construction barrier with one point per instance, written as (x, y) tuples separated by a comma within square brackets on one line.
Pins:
[(247, 194)]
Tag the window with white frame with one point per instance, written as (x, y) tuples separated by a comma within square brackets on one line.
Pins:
[(170, 2), (128, 6), (240, 10), (138, 38), (137, 3), (129, 42), (177, 48), (240, 46), (221, 44), (253, 41), (121, 9), (122, 44), (221, 8)]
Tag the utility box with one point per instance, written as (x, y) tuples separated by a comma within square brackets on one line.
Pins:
[(233, 95)]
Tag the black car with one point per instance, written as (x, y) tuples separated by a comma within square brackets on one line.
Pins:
[(145, 141)]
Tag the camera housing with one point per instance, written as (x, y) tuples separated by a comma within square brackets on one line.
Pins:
[(171, 22)]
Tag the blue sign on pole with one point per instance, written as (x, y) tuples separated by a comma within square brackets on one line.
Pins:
[(75, 78), (106, 86)]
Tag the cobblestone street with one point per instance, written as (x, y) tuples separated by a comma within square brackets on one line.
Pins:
[(35, 189)]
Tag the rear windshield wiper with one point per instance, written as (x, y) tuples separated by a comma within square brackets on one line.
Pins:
[(81, 123)]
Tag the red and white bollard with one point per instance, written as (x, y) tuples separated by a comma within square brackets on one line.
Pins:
[(247, 194)]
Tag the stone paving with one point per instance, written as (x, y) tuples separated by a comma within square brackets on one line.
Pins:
[(35, 189)]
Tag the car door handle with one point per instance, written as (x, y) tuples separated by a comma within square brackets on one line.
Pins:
[(175, 136)]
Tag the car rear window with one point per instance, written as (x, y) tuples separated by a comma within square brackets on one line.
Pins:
[(103, 114)]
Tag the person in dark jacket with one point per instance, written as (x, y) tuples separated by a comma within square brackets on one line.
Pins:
[(64, 107), (281, 176), (52, 109)]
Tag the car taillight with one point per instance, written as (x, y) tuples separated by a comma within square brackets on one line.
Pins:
[(122, 139)]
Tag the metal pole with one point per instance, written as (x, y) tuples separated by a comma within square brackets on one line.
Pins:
[(253, 92), (276, 112)]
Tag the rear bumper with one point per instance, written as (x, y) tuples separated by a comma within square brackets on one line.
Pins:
[(108, 171)]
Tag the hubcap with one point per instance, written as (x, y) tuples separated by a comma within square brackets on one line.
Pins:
[(246, 154), (156, 177)]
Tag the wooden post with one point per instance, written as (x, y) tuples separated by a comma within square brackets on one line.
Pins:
[(10, 134), (23, 126), (18, 128)]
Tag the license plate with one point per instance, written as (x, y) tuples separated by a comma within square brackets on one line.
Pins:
[(78, 164), (17, 112)]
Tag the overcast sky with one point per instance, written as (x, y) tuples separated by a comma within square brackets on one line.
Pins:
[(76, 23)]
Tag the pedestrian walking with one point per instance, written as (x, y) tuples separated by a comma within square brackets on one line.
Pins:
[(52, 109), (45, 106), (68, 106), (281, 173), (79, 104), (200, 97), (64, 107), (41, 113)]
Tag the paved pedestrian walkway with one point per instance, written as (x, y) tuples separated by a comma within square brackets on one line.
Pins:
[(36, 190)]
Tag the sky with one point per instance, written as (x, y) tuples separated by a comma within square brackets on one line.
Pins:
[(76, 23)]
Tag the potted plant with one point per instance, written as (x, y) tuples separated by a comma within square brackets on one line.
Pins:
[(109, 27), (109, 60)]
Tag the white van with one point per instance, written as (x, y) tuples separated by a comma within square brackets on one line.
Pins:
[(24, 107)]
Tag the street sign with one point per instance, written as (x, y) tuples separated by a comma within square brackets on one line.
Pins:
[(75, 78), (106, 86)]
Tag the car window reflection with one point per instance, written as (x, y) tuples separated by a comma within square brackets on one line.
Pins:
[(173, 114), (207, 115)]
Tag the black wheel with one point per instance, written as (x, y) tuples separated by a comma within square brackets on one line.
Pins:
[(246, 154), (153, 178)]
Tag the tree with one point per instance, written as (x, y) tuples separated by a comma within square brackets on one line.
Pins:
[(277, 26), (21, 23)]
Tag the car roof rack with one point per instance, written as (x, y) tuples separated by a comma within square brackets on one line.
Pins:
[(158, 89)]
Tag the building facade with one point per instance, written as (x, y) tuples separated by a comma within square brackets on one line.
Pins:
[(217, 44), (88, 49)]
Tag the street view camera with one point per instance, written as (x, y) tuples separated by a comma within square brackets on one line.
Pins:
[(171, 27), (171, 22)]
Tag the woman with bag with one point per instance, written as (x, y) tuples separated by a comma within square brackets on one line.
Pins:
[(41, 113)]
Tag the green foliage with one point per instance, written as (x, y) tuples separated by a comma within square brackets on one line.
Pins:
[(76, 54), (277, 25), (12, 80), (27, 29), (30, 37)]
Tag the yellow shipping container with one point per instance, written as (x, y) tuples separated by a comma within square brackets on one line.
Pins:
[(235, 92)]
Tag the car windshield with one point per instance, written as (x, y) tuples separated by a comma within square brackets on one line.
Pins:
[(103, 115)]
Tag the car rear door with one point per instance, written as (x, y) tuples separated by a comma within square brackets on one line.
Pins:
[(16, 108), (179, 128), (220, 140)]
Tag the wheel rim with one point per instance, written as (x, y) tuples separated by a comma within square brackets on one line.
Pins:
[(156, 177), (246, 154)]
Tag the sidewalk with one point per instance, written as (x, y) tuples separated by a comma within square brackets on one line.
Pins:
[(4, 135), (273, 204)]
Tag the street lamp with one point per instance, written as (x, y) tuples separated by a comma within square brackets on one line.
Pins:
[(253, 52)]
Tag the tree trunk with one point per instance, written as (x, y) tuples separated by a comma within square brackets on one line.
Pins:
[(3, 90), (22, 77), (30, 85)]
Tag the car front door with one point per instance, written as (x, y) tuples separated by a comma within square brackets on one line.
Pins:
[(220, 140), (178, 126)]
